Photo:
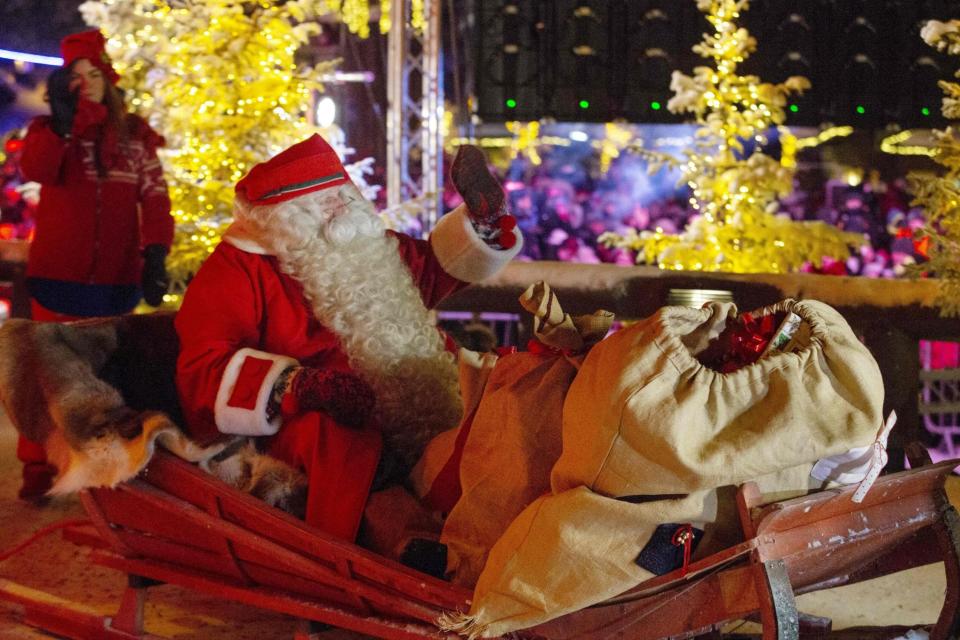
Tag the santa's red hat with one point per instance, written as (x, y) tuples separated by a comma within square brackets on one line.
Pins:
[(92, 46), (305, 167)]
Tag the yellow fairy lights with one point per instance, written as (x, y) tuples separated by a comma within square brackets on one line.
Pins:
[(824, 136), (894, 145), (734, 188), (616, 138), (357, 14), (939, 196), (218, 79), (525, 140)]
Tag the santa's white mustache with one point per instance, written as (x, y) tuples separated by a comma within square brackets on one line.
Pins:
[(355, 222)]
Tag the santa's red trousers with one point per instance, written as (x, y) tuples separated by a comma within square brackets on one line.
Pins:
[(340, 464)]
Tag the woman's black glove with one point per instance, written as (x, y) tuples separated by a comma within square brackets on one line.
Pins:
[(155, 281), (63, 101)]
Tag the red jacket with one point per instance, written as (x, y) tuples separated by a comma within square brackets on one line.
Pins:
[(91, 229)]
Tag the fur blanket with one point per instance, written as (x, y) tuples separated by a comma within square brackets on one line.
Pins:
[(100, 395)]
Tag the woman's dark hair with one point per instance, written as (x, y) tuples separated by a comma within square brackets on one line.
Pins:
[(116, 110)]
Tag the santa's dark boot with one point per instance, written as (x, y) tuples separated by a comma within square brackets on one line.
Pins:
[(37, 480), (427, 556)]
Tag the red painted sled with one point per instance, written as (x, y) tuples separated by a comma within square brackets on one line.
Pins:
[(176, 524)]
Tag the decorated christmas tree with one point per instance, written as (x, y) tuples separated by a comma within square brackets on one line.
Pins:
[(940, 195), (219, 79), (734, 184)]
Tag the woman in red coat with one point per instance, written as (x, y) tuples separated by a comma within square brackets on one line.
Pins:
[(103, 222)]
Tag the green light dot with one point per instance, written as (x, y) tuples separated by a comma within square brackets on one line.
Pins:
[(584, 104), (925, 111), (655, 106), (511, 103), (794, 108), (860, 109)]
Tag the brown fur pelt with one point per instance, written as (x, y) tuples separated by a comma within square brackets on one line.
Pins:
[(52, 388), (263, 477), (100, 394)]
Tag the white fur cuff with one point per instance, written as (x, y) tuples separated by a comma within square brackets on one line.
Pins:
[(258, 378), (463, 254)]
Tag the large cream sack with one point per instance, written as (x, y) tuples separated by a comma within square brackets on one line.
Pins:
[(644, 417)]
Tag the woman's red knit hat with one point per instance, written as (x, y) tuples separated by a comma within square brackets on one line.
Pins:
[(92, 46)]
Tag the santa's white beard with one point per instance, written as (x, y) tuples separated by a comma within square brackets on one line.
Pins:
[(360, 289)]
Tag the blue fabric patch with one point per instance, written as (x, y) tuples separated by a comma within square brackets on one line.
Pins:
[(660, 555), (86, 300)]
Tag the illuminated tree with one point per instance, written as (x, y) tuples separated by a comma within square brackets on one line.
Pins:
[(734, 185), (356, 14), (219, 80), (940, 195)]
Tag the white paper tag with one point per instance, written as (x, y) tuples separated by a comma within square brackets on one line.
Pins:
[(844, 468)]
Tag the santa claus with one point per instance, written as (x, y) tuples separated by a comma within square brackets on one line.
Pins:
[(309, 324)]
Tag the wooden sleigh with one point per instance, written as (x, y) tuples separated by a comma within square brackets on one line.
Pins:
[(176, 524)]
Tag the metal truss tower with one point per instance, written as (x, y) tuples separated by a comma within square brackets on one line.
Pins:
[(415, 110)]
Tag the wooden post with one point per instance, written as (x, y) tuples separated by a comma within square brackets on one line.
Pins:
[(129, 618), (748, 497), (948, 535)]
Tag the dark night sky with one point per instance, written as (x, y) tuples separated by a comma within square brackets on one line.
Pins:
[(36, 26)]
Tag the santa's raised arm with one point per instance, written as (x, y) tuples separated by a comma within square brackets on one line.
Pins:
[(309, 323)]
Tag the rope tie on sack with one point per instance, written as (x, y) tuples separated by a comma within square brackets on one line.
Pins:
[(556, 331)]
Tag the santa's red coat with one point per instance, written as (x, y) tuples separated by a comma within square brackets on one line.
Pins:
[(243, 321)]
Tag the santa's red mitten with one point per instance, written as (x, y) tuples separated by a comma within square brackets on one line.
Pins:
[(340, 394), (485, 200)]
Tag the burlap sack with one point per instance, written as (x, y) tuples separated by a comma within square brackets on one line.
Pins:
[(644, 418), (435, 478), (508, 456), (514, 439)]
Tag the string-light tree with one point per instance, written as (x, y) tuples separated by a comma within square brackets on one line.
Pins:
[(734, 185), (357, 14), (940, 195), (219, 80)]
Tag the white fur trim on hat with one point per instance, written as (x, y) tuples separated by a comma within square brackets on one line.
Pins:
[(249, 422), (463, 254)]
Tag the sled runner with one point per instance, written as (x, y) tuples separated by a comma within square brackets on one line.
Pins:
[(176, 524)]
